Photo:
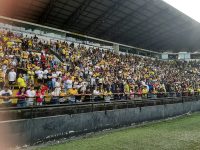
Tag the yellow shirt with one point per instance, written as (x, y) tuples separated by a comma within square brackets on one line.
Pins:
[(72, 78), (6, 62), (144, 91), (9, 44), (63, 51), (31, 74), (16, 49), (30, 43), (21, 82), (5, 39), (127, 88), (72, 91), (1, 76), (1, 54), (107, 93), (62, 93)]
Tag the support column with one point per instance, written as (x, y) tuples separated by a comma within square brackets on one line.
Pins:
[(116, 48)]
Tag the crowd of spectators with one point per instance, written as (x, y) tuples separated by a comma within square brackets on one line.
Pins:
[(28, 67)]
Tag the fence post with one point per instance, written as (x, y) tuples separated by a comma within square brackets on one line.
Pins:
[(92, 107), (105, 108)]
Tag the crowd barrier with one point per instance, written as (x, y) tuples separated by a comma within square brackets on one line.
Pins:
[(12, 112), (77, 99)]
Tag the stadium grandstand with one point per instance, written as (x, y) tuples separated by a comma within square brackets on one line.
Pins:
[(75, 52)]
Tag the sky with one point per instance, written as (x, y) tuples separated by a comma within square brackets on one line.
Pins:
[(188, 7)]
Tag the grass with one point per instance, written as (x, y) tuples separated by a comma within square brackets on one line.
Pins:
[(178, 134)]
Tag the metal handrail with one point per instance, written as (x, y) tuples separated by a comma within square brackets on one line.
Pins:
[(95, 102)]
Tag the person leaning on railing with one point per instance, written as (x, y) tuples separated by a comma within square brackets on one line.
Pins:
[(144, 92), (107, 95), (154, 93), (2, 78), (190, 91), (6, 93), (198, 91), (62, 96), (132, 94), (71, 93), (39, 97), (31, 93), (21, 94)]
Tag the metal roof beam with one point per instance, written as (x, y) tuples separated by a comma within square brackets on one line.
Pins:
[(115, 27), (106, 14), (43, 18), (152, 30), (138, 24), (75, 15), (166, 39)]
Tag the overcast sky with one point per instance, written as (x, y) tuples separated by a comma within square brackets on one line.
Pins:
[(189, 7)]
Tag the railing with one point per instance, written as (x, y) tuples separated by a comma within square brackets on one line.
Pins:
[(78, 99), (52, 109)]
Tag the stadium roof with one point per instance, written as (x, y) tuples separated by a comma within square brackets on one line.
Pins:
[(150, 24)]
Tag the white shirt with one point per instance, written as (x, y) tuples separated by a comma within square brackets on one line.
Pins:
[(31, 93), (11, 76), (39, 74), (69, 83), (14, 63), (56, 92), (58, 73), (54, 76), (93, 81), (45, 74), (95, 92), (57, 84), (4, 68), (6, 93)]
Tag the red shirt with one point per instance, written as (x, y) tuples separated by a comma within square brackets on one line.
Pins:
[(39, 97), (43, 59), (44, 89)]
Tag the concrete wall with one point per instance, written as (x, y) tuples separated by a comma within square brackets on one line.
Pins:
[(30, 131)]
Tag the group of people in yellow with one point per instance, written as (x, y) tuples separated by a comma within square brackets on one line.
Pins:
[(83, 69)]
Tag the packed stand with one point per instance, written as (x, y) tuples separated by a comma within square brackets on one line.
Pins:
[(33, 76)]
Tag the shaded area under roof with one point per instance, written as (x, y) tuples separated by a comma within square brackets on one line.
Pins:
[(149, 24)]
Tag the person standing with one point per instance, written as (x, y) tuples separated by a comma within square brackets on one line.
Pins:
[(21, 82), (21, 94), (40, 97), (2, 79), (12, 78), (6, 92), (31, 95)]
